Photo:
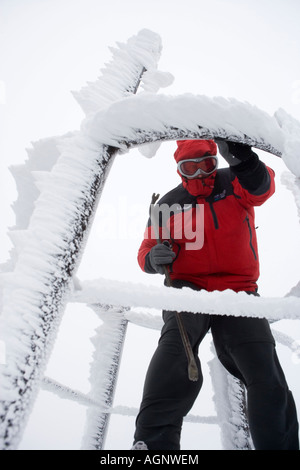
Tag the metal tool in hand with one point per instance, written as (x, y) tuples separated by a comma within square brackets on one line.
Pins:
[(192, 366)]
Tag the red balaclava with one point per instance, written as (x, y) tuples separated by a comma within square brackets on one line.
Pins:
[(194, 149)]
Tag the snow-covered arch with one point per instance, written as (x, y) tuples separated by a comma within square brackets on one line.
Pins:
[(146, 122), (38, 285)]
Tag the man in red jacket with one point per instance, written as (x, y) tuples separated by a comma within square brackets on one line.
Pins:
[(209, 242)]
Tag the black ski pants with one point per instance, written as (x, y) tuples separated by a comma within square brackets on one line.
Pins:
[(246, 348)]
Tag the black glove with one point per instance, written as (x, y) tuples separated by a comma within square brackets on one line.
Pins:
[(233, 152), (160, 255)]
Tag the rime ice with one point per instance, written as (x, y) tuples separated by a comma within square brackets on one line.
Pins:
[(59, 187)]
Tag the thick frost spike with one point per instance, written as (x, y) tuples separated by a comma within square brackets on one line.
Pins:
[(40, 179), (42, 156), (121, 76), (19, 238), (149, 150), (152, 81), (27, 194)]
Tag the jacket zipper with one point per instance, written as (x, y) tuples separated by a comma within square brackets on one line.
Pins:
[(215, 218), (251, 235)]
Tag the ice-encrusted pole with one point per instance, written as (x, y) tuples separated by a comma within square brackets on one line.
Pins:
[(108, 343), (35, 292), (230, 403)]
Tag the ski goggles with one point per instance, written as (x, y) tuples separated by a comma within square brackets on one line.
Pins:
[(198, 166)]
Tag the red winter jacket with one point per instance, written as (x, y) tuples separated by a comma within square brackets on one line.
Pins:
[(226, 255)]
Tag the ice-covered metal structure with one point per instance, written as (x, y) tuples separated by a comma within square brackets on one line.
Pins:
[(50, 238)]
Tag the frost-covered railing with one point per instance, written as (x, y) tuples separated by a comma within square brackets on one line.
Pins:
[(49, 243), (229, 393), (129, 294)]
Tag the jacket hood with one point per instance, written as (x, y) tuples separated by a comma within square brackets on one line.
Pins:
[(195, 149)]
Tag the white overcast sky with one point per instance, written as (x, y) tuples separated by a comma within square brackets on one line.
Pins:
[(244, 49)]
